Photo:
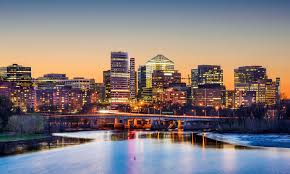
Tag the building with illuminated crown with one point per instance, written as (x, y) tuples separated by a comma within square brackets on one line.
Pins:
[(158, 62)]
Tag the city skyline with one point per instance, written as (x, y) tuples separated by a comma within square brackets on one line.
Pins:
[(144, 86), (58, 36), (184, 79)]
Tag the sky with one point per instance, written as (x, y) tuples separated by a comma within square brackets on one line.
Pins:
[(76, 36)]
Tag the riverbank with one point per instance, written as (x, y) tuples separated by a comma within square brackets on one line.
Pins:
[(254, 126), (251, 140), (16, 144), (10, 137)]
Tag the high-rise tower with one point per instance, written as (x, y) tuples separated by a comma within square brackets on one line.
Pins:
[(119, 78), (132, 79), (158, 62)]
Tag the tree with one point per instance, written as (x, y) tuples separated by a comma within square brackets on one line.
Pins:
[(87, 108), (5, 111)]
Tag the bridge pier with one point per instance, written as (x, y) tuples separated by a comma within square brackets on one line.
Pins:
[(118, 124), (179, 124), (58, 123)]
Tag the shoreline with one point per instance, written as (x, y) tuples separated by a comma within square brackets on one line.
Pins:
[(30, 145), (45, 141)]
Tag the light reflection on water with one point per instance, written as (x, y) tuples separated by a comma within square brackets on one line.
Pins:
[(149, 152)]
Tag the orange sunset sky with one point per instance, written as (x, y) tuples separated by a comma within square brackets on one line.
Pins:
[(76, 37)]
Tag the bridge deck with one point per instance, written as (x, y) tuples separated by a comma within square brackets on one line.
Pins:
[(143, 116)]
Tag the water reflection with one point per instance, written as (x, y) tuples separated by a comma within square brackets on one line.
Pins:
[(18, 147), (67, 139), (189, 138), (115, 152), (166, 137)]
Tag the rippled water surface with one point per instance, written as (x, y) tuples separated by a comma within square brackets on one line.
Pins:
[(148, 152)]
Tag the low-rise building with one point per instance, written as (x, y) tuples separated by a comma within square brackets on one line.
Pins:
[(208, 95), (80, 83)]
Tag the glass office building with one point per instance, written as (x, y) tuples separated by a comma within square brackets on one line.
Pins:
[(119, 80), (158, 62)]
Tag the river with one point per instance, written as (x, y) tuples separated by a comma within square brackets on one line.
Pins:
[(113, 152)]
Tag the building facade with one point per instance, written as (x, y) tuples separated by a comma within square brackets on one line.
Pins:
[(133, 79), (210, 74), (18, 74), (119, 80), (158, 62), (5, 89), (248, 79), (175, 95), (107, 84), (194, 78), (209, 95), (81, 83), (228, 99), (141, 80), (23, 97), (161, 80)]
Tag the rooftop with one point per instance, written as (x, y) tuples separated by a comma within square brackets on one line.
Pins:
[(160, 59)]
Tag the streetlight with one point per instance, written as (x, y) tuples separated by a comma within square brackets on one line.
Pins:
[(204, 111), (193, 111)]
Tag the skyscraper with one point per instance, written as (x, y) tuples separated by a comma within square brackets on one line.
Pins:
[(107, 84), (119, 80), (17, 73), (210, 74), (207, 85), (194, 78), (270, 92), (158, 62), (251, 78), (249, 74), (141, 80), (132, 79), (161, 80)]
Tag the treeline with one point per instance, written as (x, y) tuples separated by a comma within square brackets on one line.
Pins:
[(257, 111), (14, 121)]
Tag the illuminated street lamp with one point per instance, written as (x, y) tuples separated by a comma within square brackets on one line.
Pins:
[(193, 111), (204, 111)]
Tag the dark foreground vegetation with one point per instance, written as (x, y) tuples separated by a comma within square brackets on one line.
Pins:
[(16, 126)]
